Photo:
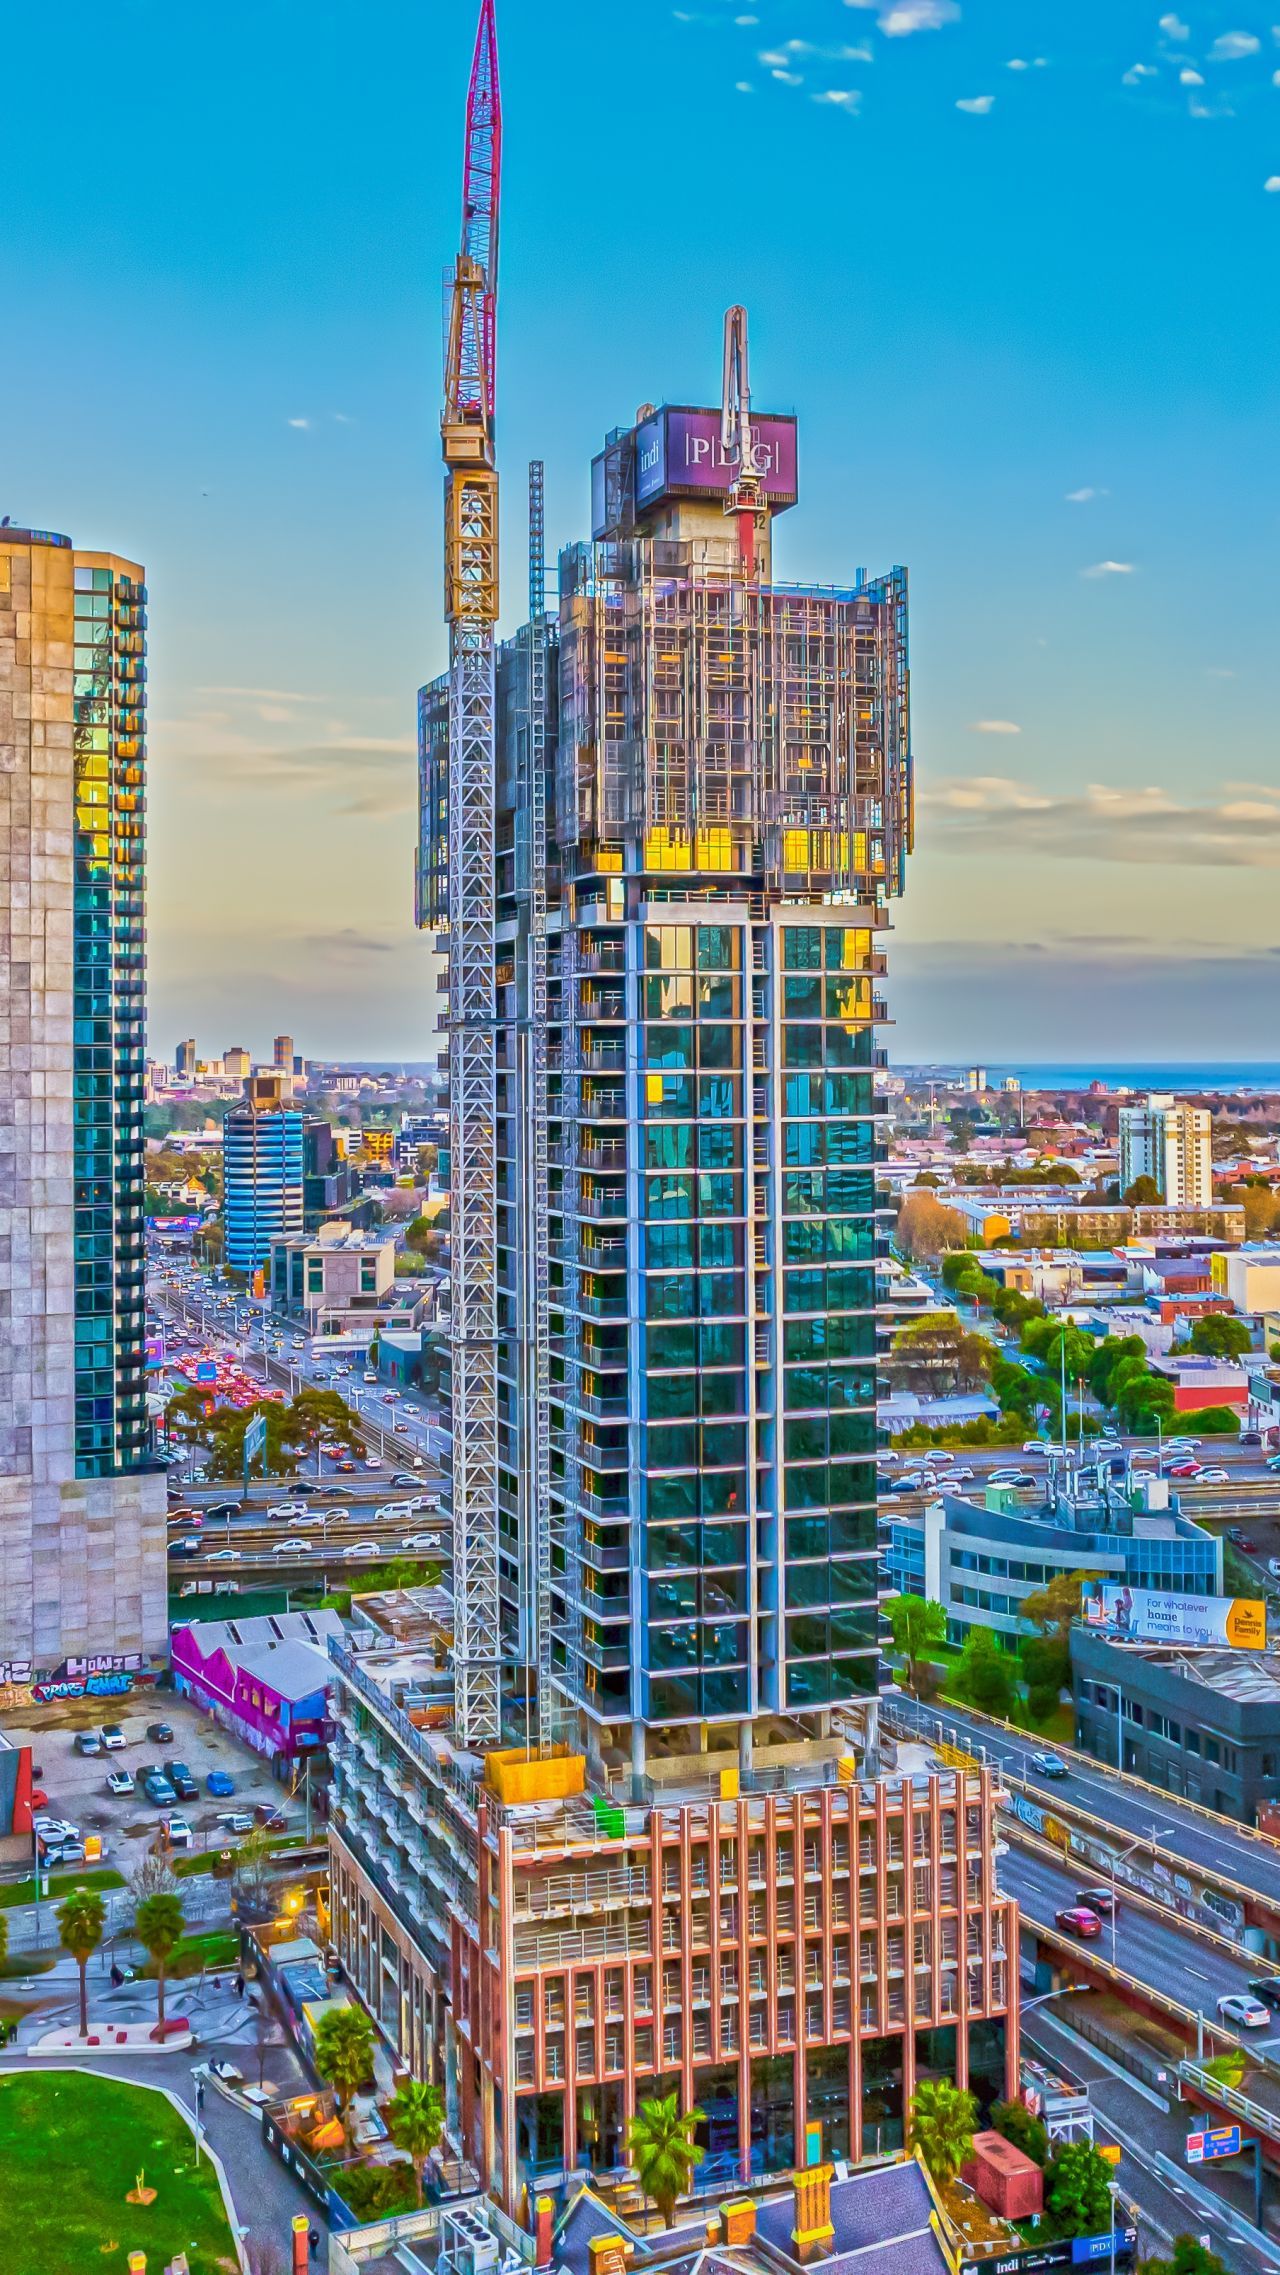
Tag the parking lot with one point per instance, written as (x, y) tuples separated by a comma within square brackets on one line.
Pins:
[(76, 1784)]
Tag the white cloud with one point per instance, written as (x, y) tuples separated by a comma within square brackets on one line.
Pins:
[(342, 419), (1082, 497), (1174, 28), (899, 18), (1272, 182), (1109, 823), (263, 694), (746, 19), (993, 727), (1275, 78), (1139, 72), (1189, 78), (790, 50), (789, 78), (743, 87), (1017, 63), (842, 98), (1230, 46), (1109, 569), (976, 105), (299, 422)]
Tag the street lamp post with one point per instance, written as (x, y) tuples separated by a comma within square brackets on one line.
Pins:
[(1113, 2191), (1116, 1862)]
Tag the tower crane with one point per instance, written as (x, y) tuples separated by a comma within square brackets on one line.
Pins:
[(745, 499), (471, 609)]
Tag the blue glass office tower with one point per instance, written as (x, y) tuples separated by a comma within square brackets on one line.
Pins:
[(724, 765), (263, 1170)]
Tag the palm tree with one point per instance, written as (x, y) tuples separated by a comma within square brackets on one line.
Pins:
[(158, 1925), (944, 2119), (80, 1923), (664, 2152), (344, 2055), (415, 2120)]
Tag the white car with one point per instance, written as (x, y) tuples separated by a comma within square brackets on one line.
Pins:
[(961, 1476), (120, 1782), (363, 1548), (397, 1509), (1214, 1477), (287, 1509), (223, 1556), (1242, 2007), (291, 1548), (337, 1516), (113, 1738), (179, 1832), (374, 1461), (1036, 1445), (53, 1829), (419, 1543), (370, 1375), (234, 1821)]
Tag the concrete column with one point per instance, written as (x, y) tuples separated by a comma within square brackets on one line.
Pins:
[(639, 1749), (746, 1747)]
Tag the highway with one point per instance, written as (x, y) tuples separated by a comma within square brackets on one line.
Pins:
[(1155, 1949), (1197, 1837)]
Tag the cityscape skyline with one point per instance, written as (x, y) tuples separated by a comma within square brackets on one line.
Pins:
[(1086, 351)]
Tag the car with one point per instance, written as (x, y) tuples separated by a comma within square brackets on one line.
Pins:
[(406, 1477), (87, 1742), (1048, 1765), (370, 1374), (183, 1783), (300, 1486), (1099, 1900), (420, 1542), (224, 1509), (1077, 1919), (235, 1821), (335, 1516), (1267, 1988), (1248, 1544), (55, 1829), (346, 1465), (363, 1548), (177, 1832), (1036, 1445), (397, 1511), (190, 1545), (962, 1476), (191, 1518), (1185, 1469), (1242, 2007), (373, 1461), (223, 1556), (283, 1510), (267, 1813), (1274, 1461), (1235, 1535), (221, 1783), (1215, 1477), (120, 1783), (159, 1792), (292, 1547), (64, 1852), (1014, 1477), (1273, 1567), (1251, 1437), (1105, 1445)]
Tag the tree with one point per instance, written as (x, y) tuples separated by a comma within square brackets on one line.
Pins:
[(1217, 1421), (1015, 2122), (254, 1857), (415, 2120), (1190, 2257), (926, 1230), (1054, 1608), (935, 1353), (915, 1622), (1077, 2199), (317, 1414), (1219, 1336), (944, 2119), (153, 1876), (1261, 1211), (80, 1923), (664, 2152), (1144, 1193), (1115, 1352), (344, 2055), (158, 1926), (959, 1269), (4, 1940), (986, 1675)]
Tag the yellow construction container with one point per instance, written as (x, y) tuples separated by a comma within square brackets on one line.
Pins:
[(514, 1776)]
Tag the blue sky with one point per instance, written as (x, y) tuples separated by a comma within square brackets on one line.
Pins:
[(1013, 264)]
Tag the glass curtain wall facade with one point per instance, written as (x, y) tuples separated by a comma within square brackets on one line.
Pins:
[(728, 797), (263, 1153), (109, 698)]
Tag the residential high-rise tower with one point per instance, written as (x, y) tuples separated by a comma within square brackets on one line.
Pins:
[(82, 1501), (263, 1173), (1172, 1144)]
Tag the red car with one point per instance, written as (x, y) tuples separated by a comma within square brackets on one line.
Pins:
[(1077, 1920)]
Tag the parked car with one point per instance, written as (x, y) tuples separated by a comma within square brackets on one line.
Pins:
[(160, 1733), (66, 1852), (1244, 2008), (1266, 1988), (113, 1737), (1048, 1765), (178, 1832), (268, 1815), (159, 1792), (88, 1742), (52, 1829), (120, 1783), (1077, 1919), (235, 1821), (221, 1783), (183, 1783)]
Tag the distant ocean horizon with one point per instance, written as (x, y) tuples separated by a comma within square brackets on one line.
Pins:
[(1225, 1074)]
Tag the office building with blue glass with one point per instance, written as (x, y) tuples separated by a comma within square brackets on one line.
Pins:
[(263, 1175)]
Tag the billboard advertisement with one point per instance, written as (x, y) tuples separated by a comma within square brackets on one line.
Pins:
[(1147, 1615), (679, 451)]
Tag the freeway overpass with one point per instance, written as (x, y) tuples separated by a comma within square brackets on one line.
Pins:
[(1178, 1830)]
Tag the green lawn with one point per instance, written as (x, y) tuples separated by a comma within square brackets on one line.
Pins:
[(71, 2147), (60, 1884), (218, 1948)]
